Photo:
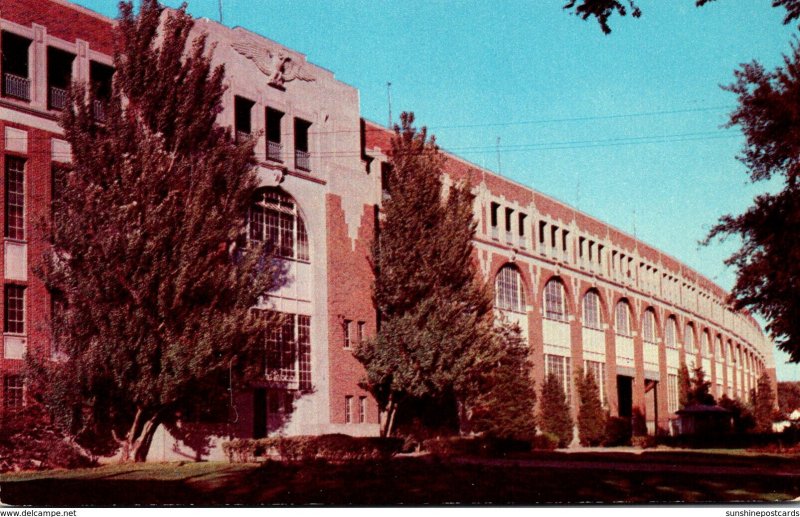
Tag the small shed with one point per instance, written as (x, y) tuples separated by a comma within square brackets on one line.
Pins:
[(700, 419)]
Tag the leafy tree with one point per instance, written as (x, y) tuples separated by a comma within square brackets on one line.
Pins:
[(700, 389), (788, 396), (602, 10), (504, 397), (156, 300), (436, 334), (684, 386), (764, 404), (554, 412), (742, 413), (768, 272), (591, 416)]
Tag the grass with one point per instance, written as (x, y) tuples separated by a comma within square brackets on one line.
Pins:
[(547, 478)]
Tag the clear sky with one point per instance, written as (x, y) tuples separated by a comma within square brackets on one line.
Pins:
[(627, 127)]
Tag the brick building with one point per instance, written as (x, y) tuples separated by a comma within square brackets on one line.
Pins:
[(584, 293)]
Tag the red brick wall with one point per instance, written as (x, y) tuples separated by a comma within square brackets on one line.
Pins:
[(349, 297), (67, 23)]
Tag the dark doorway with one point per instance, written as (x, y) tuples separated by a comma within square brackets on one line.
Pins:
[(259, 413), (625, 395)]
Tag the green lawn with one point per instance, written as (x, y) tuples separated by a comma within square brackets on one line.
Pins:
[(526, 479)]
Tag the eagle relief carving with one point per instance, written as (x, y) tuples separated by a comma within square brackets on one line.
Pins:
[(278, 66)]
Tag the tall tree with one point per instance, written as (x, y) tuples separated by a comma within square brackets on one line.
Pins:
[(435, 315), (554, 412), (684, 386), (503, 400), (764, 404), (767, 265), (156, 300), (788, 396), (591, 416), (699, 389)]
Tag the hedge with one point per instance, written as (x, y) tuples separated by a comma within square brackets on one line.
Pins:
[(328, 447)]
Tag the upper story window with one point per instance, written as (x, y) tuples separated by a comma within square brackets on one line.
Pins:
[(288, 347), (688, 339), (243, 117), (649, 326), (59, 77), (16, 70), (719, 350), (302, 154), (705, 343), (591, 310), (509, 294), (100, 79), (15, 198), (622, 317), (670, 333), (274, 141), (555, 307), (494, 210), (274, 219), (386, 178), (509, 219), (14, 313), (521, 231)]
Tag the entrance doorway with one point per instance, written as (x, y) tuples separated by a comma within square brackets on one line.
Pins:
[(625, 395), (260, 413)]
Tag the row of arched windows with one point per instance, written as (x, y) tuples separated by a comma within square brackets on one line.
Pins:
[(510, 296)]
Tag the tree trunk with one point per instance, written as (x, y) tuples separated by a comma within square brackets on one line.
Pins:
[(391, 412), (137, 440)]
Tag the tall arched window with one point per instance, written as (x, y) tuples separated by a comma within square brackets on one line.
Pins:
[(719, 350), (705, 343), (554, 301), (591, 311), (623, 318), (509, 295), (670, 333), (649, 326), (274, 219), (688, 339)]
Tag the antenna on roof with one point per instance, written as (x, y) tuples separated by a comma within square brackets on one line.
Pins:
[(220, 11), (389, 98), (499, 168)]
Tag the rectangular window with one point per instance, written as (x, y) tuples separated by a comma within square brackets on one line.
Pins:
[(494, 215), (14, 320), (509, 218), (598, 370), (242, 117), (560, 367), (346, 333), (348, 409), (15, 198), (13, 391), (304, 351), (274, 145), (521, 227), (672, 393), (302, 153), (362, 410), (542, 232), (360, 331), (59, 77), (16, 81)]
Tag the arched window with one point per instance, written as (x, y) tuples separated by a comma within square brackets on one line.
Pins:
[(705, 344), (623, 318), (274, 219), (554, 302), (670, 333), (688, 338), (649, 326), (509, 295), (591, 311)]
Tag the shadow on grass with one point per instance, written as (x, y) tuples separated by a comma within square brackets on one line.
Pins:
[(411, 481)]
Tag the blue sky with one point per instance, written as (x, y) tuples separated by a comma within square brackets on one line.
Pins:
[(627, 127)]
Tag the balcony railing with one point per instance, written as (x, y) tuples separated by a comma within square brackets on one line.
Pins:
[(16, 86), (242, 136), (302, 160), (58, 98), (284, 376), (274, 151)]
